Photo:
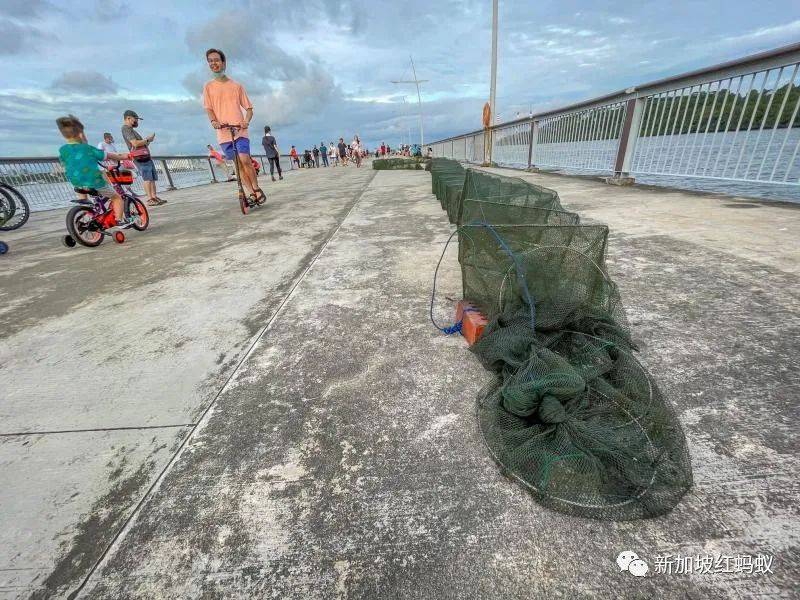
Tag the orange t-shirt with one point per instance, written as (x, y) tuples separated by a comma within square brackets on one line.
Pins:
[(228, 100)]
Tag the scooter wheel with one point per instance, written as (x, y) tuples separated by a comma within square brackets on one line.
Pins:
[(68, 241), (119, 237), (3, 247)]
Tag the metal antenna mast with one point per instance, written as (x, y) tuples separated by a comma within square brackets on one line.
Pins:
[(406, 114), (419, 99)]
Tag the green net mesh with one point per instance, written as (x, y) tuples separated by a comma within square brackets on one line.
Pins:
[(570, 413), (447, 184), (511, 190), (400, 163)]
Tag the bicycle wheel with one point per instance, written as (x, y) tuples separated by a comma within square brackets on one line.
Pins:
[(137, 210), (82, 227), (7, 207), (21, 210)]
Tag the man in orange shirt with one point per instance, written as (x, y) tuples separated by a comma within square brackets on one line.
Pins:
[(224, 99)]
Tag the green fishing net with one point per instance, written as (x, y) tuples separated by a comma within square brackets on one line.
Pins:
[(570, 412), (400, 163), (447, 178)]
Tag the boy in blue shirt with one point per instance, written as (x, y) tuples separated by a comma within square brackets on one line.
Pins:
[(80, 163)]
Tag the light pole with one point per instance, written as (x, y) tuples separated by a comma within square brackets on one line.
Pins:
[(493, 85), (419, 100)]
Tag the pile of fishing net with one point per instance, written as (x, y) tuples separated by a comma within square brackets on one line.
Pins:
[(399, 163), (570, 412)]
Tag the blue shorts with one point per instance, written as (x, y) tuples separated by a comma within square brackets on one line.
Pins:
[(147, 170), (242, 147)]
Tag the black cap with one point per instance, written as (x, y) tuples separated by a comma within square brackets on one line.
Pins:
[(130, 113)]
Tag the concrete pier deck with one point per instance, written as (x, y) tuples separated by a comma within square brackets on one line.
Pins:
[(258, 407)]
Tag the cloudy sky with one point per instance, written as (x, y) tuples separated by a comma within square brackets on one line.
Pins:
[(321, 69)]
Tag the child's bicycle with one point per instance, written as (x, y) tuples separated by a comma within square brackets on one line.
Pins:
[(245, 202), (92, 220)]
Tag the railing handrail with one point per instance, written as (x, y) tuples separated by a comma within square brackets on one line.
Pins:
[(8, 159), (43, 180), (637, 91)]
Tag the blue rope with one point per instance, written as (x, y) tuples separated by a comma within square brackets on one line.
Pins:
[(456, 327), (517, 267)]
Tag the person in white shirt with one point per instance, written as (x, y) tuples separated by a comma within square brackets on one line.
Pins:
[(333, 155), (355, 146), (107, 146)]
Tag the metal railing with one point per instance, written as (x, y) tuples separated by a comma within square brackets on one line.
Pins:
[(736, 122), (43, 183)]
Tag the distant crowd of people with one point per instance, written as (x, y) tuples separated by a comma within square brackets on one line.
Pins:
[(329, 155)]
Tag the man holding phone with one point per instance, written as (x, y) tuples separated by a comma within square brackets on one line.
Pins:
[(140, 152)]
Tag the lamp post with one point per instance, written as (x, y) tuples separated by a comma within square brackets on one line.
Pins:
[(493, 84)]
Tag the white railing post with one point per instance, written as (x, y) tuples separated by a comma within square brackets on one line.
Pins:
[(627, 142), (534, 139)]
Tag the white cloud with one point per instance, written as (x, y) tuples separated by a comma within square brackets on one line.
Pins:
[(766, 34), (325, 70), (89, 83)]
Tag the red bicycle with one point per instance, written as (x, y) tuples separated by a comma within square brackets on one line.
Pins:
[(92, 220)]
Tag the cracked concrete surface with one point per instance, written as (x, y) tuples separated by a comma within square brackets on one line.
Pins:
[(343, 459)]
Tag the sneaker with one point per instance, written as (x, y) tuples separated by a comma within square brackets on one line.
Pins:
[(279, 177), (273, 179), (124, 222)]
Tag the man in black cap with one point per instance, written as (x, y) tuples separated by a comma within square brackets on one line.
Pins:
[(139, 148)]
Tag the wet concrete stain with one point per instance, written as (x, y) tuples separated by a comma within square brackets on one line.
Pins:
[(107, 513)]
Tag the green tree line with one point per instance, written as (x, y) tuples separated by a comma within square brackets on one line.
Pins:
[(720, 110)]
